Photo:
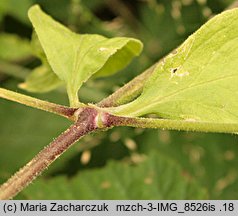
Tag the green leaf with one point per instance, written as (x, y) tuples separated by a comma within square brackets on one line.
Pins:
[(13, 47), (198, 82), (209, 158), (155, 178), (41, 80), (75, 58), (37, 48)]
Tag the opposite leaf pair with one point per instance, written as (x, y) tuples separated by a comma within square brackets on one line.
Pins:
[(199, 82)]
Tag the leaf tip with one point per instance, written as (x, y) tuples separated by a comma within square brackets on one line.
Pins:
[(138, 46), (22, 85), (33, 8)]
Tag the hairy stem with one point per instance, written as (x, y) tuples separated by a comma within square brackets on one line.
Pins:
[(167, 124), (37, 103), (84, 125)]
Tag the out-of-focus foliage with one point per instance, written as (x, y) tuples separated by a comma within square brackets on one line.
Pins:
[(15, 8), (155, 177), (13, 47), (162, 25)]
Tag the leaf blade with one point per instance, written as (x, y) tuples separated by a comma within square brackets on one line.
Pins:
[(74, 57), (41, 80), (199, 81)]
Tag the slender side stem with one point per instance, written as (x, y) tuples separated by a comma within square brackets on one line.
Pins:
[(167, 124), (37, 103), (84, 125), (128, 92)]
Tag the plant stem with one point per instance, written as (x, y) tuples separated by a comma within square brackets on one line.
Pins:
[(166, 124), (89, 120), (39, 104), (128, 92), (84, 125)]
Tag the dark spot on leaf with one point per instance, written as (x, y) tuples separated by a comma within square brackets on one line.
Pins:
[(174, 70)]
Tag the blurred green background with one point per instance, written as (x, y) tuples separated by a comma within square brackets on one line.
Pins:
[(123, 163)]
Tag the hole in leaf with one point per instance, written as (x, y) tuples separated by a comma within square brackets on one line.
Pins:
[(174, 70)]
